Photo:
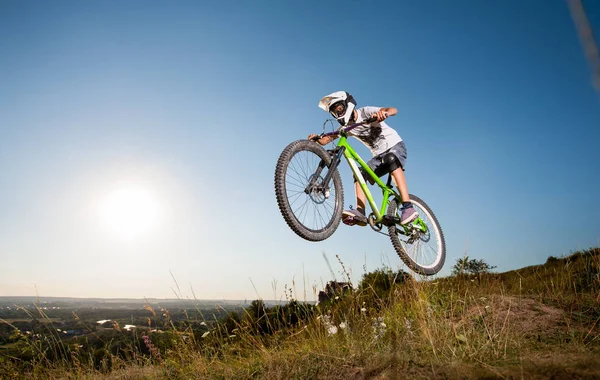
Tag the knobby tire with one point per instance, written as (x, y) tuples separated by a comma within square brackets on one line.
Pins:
[(436, 233), (325, 213)]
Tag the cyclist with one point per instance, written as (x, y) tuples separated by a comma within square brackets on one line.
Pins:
[(389, 151)]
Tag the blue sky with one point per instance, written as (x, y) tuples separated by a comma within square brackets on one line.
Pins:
[(192, 102)]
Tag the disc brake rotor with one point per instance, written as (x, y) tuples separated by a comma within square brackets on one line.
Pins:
[(317, 194)]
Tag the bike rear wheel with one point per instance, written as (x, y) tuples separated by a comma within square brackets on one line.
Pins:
[(423, 252), (311, 210)]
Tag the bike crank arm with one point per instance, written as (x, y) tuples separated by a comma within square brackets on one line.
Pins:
[(408, 229), (389, 220)]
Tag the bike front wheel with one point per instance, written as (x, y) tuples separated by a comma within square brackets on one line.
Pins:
[(421, 244), (312, 209)]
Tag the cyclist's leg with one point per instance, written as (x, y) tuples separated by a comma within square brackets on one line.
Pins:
[(358, 216), (361, 198), (400, 181), (408, 212), (395, 158)]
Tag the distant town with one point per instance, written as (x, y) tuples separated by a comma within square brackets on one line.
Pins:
[(80, 317)]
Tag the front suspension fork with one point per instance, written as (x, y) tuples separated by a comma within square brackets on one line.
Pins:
[(335, 161)]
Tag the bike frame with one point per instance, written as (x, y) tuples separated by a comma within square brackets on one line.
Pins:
[(353, 158)]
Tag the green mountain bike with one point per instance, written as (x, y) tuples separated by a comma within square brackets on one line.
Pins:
[(310, 196)]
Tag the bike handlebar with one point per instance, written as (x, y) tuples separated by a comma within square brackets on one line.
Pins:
[(345, 129), (371, 119)]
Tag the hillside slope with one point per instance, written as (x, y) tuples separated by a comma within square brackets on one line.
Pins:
[(535, 322)]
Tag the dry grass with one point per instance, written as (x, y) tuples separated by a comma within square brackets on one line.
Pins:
[(537, 323)]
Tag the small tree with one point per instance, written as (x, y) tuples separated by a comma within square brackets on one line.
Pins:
[(381, 281), (471, 266), (256, 315)]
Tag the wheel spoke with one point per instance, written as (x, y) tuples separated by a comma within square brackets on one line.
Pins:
[(424, 252), (312, 210)]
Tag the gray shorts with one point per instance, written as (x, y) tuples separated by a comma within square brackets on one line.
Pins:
[(384, 163)]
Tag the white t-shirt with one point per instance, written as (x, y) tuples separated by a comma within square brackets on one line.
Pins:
[(378, 137)]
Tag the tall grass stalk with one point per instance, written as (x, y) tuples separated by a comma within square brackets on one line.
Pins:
[(498, 325)]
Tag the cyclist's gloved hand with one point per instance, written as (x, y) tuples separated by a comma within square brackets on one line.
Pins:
[(380, 116)]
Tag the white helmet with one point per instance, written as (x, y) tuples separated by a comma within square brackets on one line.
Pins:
[(331, 101)]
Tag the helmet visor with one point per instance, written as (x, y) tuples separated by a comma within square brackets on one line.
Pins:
[(338, 109)]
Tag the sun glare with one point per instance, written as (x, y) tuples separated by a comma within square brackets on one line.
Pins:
[(130, 211)]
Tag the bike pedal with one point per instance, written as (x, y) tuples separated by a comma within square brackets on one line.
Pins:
[(349, 221)]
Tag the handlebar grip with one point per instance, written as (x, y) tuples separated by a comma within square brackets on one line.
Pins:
[(316, 138), (371, 119)]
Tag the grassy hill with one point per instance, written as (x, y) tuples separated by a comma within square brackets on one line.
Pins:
[(536, 322)]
